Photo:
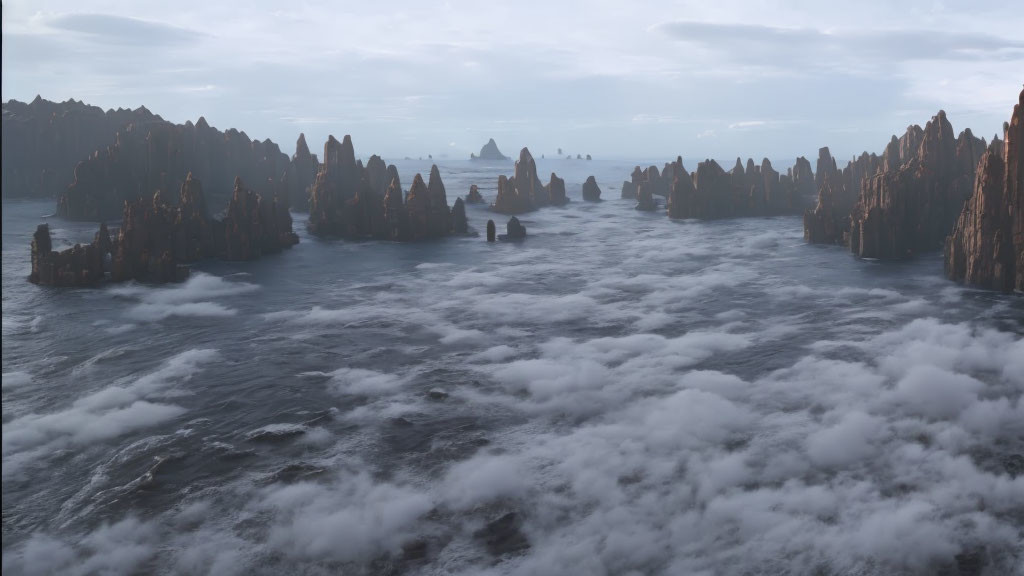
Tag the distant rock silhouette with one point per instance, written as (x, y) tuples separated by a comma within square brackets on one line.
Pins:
[(490, 152), (491, 231), (150, 153), (986, 247), (44, 140), (474, 196)]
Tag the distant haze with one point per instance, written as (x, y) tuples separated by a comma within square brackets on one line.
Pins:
[(720, 79)]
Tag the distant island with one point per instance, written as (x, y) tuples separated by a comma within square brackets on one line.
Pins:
[(489, 152)]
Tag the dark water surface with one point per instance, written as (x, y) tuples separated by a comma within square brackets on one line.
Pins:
[(620, 393)]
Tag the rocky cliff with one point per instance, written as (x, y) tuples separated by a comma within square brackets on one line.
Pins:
[(43, 140), (986, 247), (903, 211)]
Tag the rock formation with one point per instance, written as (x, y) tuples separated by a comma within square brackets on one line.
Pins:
[(524, 192), (629, 186), (43, 140), (149, 153), (591, 191), (77, 266), (514, 230), (828, 222), (986, 247), (489, 152), (556, 191), (352, 201), (644, 198), (491, 231), (474, 196), (910, 209), (459, 223), (683, 193), (156, 241)]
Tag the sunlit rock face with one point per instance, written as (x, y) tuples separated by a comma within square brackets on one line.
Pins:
[(986, 247)]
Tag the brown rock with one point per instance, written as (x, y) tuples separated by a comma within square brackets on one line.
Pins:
[(986, 247), (903, 212)]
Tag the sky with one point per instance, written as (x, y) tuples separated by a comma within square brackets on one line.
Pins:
[(613, 79)]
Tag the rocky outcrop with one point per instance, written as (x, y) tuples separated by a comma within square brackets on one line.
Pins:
[(514, 230), (156, 241), (76, 266), (591, 191), (828, 222), (489, 152), (629, 186), (357, 202), (986, 247), (491, 231), (524, 192), (474, 196), (902, 212), (460, 225), (43, 140), (152, 154), (682, 194), (556, 191), (644, 198)]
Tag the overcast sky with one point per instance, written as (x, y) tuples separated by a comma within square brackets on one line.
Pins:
[(701, 79)]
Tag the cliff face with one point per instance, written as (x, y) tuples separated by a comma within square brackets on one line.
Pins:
[(156, 240), (157, 155), (357, 202), (43, 140), (901, 212), (986, 247)]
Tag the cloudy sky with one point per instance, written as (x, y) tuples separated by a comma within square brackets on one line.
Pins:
[(698, 78)]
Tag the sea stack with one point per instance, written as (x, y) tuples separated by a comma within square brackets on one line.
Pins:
[(489, 152), (591, 191), (474, 196)]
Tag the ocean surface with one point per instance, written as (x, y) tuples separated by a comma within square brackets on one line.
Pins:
[(619, 394)]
